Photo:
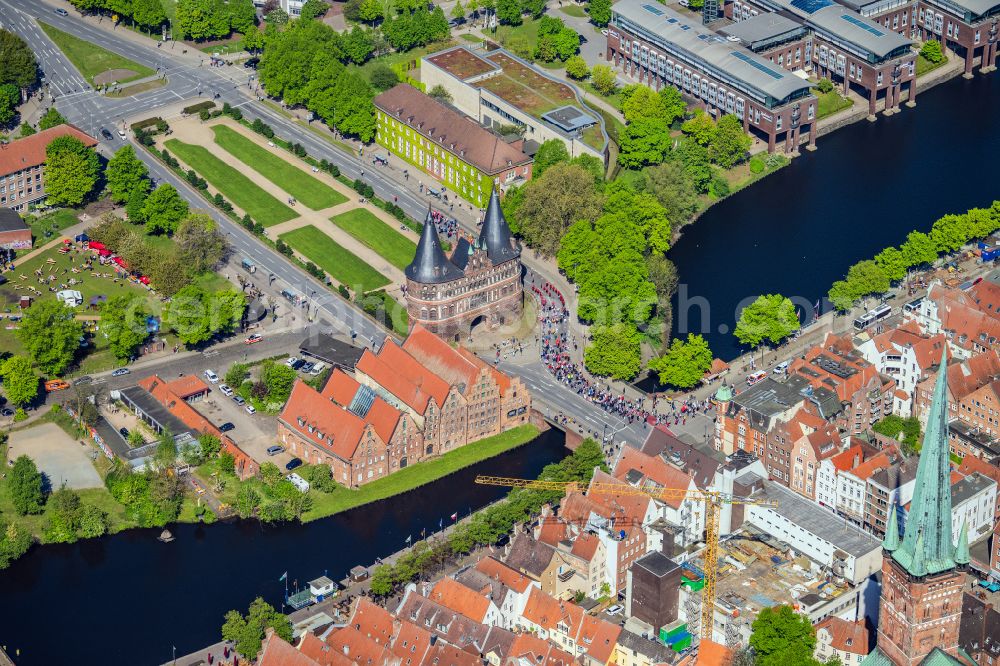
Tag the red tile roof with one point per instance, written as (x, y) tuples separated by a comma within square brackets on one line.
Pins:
[(440, 357), (848, 459), (341, 389), (444, 654), (547, 612), (533, 650), (187, 386), (160, 390), (653, 468), (321, 653), (711, 653), (972, 464), (451, 594), (598, 638), (324, 417), (403, 376), (410, 643), (846, 636), (585, 546), (276, 652), (357, 647), (870, 466), (30, 151), (552, 532), (497, 570), (453, 131), (372, 620)]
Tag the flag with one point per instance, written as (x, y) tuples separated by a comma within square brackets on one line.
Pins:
[(284, 577), (409, 539), (454, 516), (441, 524), (816, 307)]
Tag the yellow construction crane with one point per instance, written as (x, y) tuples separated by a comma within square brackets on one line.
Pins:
[(712, 500)]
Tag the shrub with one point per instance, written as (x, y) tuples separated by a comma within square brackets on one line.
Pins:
[(198, 108), (825, 86), (204, 115), (931, 51), (756, 164)]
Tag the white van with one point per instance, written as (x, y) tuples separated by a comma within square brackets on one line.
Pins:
[(318, 368)]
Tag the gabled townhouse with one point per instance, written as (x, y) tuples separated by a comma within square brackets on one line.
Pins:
[(852, 485), (702, 467), (505, 587), (966, 377), (579, 557), (589, 639), (534, 559), (829, 469), (904, 354), (808, 453), (969, 328), (529, 650), (474, 605), (843, 639)]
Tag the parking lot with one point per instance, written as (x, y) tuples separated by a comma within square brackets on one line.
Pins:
[(58, 456), (253, 432)]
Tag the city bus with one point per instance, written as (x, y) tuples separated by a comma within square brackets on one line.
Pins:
[(880, 313)]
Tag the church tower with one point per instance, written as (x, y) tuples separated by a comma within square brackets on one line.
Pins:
[(921, 605)]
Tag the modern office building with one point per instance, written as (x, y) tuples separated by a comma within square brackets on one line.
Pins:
[(849, 49), (499, 89), (657, 46), (455, 149)]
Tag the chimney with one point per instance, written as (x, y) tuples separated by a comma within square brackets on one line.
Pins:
[(857, 460), (347, 650)]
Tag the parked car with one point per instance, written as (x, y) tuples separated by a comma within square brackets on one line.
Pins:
[(614, 610), (292, 360), (226, 427), (120, 372), (275, 450), (756, 377), (307, 367), (56, 385), (317, 368), (225, 389), (121, 134), (293, 463), (781, 368), (250, 409), (6, 411), (298, 363), (86, 379), (108, 136), (238, 399), (211, 376), (251, 63), (123, 432), (253, 339)]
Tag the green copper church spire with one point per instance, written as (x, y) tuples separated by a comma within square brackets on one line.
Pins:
[(891, 541), (962, 549), (927, 546)]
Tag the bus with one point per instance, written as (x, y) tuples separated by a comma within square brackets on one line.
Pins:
[(880, 313)]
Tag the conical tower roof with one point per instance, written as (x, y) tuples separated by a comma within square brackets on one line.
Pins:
[(430, 265), (927, 545), (962, 549), (891, 541), (495, 236)]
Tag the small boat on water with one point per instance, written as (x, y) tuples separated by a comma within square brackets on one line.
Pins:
[(165, 536)]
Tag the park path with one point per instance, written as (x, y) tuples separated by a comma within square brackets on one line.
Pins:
[(193, 131)]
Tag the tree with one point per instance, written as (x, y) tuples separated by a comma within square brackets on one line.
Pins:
[(17, 62), (313, 9), (358, 44), (694, 159), (166, 450), (701, 128), (242, 15), (123, 324), (550, 152), (382, 582), (440, 93), (563, 195), (533, 7), (931, 51), (50, 119), (672, 187), (20, 383), (71, 171), (370, 10), (51, 335), (905, 431), (247, 632), (10, 97), (729, 143), (919, 249), (93, 522), (458, 11), (685, 363), (279, 379), (781, 636), (187, 315), (15, 541), (24, 487), (237, 374), (383, 77), (891, 261), (163, 210), (576, 68), (600, 12), (125, 173), (148, 13), (270, 474), (825, 86), (642, 102), (603, 79), (771, 317), (645, 141), (614, 351), (200, 244), (673, 104), (509, 12), (27, 130), (253, 38)]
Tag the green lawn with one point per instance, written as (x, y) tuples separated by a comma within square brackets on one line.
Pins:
[(396, 248), (576, 11), (233, 185), (327, 504), (469, 37), (308, 190), (91, 59), (342, 266), (48, 226), (223, 49), (924, 65), (830, 103)]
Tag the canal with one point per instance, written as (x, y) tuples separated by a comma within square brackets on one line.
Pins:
[(867, 186), (127, 598)]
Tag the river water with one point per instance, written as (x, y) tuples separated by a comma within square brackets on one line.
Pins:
[(126, 599), (868, 185)]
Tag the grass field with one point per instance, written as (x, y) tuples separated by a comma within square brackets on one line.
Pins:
[(576, 11), (233, 185), (830, 103), (342, 499), (224, 49), (308, 190), (924, 65), (342, 266), (91, 59), (50, 225), (396, 248)]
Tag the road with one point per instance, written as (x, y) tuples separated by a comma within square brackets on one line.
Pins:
[(185, 80)]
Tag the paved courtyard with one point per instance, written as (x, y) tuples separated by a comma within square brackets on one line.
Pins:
[(58, 456)]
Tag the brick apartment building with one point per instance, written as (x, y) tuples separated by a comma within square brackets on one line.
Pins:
[(479, 283), (971, 397), (904, 354), (404, 404), (657, 46), (22, 166)]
